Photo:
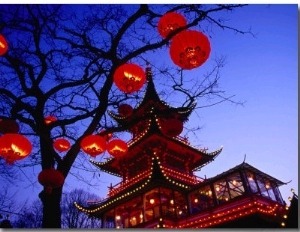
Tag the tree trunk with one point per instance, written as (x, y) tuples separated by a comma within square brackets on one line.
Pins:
[(51, 208)]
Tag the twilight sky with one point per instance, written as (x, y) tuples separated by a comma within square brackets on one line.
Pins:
[(263, 72)]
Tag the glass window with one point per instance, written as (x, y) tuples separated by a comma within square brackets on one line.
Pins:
[(235, 184), (129, 214), (221, 191), (151, 204), (269, 188), (201, 199), (167, 202), (180, 204), (262, 186), (252, 182)]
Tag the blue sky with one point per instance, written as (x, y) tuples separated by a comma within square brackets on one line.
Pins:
[(263, 72)]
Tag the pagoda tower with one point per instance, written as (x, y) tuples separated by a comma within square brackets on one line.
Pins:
[(158, 186)]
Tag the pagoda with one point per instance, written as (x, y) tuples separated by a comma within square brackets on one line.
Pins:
[(159, 189)]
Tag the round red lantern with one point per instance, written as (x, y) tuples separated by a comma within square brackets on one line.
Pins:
[(3, 45), (129, 78), (14, 147), (93, 145), (8, 125), (49, 119), (125, 110), (61, 144), (172, 127), (117, 148), (189, 49), (170, 22), (51, 178)]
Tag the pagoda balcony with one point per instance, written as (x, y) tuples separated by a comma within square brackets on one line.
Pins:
[(119, 187)]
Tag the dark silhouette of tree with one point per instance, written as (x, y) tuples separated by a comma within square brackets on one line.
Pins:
[(61, 61), (71, 216), (31, 216)]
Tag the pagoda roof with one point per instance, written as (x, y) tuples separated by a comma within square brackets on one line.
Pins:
[(152, 102), (184, 151), (245, 166), (156, 175)]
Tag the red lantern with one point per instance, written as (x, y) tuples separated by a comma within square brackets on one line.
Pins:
[(93, 145), (61, 144), (125, 110), (51, 178), (49, 119), (172, 127), (8, 125), (129, 78), (3, 45), (117, 147), (14, 147), (189, 49), (170, 22)]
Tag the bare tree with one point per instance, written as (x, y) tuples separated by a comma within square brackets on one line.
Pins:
[(71, 216), (30, 216), (61, 61)]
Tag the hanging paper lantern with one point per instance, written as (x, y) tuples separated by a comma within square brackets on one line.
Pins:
[(117, 148), (170, 22), (172, 127), (129, 78), (49, 119), (125, 110), (61, 144), (51, 178), (8, 125), (3, 45), (14, 147), (189, 49), (93, 145), (106, 136)]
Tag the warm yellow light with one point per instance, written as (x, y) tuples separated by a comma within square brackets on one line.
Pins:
[(282, 224), (118, 217), (152, 201)]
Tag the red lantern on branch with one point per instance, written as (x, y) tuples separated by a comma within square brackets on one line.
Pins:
[(61, 145), (49, 119), (170, 22), (125, 110), (117, 148), (172, 127), (8, 125), (189, 49), (51, 178), (3, 45), (93, 145), (14, 147), (129, 78)]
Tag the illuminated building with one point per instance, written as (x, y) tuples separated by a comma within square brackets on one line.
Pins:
[(159, 188)]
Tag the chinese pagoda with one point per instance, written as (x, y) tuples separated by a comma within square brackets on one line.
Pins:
[(159, 188)]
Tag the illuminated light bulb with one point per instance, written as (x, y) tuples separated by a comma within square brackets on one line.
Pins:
[(118, 217), (282, 224), (284, 216), (152, 201)]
